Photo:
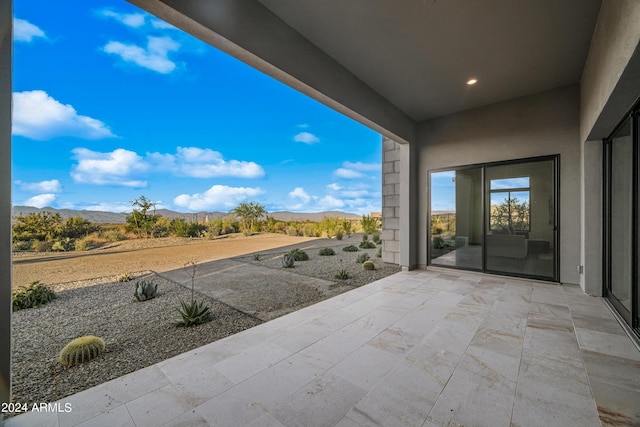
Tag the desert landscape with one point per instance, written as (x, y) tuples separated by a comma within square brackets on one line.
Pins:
[(241, 278)]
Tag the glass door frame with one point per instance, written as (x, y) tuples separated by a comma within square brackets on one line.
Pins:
[(631, 317), (555, 158)]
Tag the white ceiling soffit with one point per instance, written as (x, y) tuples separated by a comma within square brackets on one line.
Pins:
[(419, 54)]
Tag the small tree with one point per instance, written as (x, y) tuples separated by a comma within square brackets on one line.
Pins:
[(369, 225), (143, 217), (248, 214)]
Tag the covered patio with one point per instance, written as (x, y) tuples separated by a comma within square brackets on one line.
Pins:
[(420, 348)]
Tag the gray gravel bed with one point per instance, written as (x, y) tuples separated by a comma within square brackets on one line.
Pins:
[(137, 334), (326, 267)]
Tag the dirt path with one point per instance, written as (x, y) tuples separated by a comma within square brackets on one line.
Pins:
[(132, 256)]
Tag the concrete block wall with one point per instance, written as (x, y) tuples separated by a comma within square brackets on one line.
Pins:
[(390, 201)]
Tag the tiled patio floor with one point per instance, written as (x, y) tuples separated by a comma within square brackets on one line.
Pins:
[(421, 348)]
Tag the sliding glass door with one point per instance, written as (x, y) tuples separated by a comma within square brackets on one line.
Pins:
[(498, 217), (621, 221)]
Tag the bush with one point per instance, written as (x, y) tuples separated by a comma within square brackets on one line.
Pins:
[(292, 231), (145, 290), (326, 252), (367, 245), (81, 350), (375, 237), (114, 235), (365, 237), (342, 275), (21, 245), (86, 243), (339, 234), (362, 258), (63, 245), (379, 253), (126, 277), (350, 248), (42, 246), (196, 313), (299, 255), (368, 265), (34, 295)]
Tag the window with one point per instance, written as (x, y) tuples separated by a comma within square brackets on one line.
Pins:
[(510, 205)]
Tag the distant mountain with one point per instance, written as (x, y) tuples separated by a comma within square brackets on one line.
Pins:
[(100, 217)]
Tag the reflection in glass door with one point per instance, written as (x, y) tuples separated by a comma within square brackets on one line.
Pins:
[(520, 219), (456, 218)]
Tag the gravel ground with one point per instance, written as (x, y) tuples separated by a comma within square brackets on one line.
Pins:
[(137, 334), (326, 267)]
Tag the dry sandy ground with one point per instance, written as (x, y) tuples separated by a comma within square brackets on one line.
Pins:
[(159, 255)]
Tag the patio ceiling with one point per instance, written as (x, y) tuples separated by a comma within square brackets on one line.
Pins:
[(393, 64)]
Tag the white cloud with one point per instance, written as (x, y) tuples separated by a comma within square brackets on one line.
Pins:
[(154, 57), (347, 173), (303, 126), (359, 166), (40, 201), (133, 20), (306, 137), (25, 31), (204, 163), (111, 168), (216, 197), (38, 116), (299, 193), (354, 170), (159, 24), (330, 202), (51, 186), (117, 207)]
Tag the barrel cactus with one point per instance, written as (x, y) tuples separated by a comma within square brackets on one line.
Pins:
[(81, 350), (145, 290), (288, 261), (368, 265)]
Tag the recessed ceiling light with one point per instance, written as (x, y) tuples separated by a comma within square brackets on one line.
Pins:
[(472, 81)]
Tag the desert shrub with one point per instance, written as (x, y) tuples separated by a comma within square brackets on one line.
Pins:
[(326, 252), (342, 275), (81, 350), (114, 235), (21, 245), (33, 295), (42, 246), (375, 237), (126, 277), (66, 244), (257, 257), (145, 291), (350, 248), (247, 232), (438, 243), (367, 245), (292, 231), (365, 237), (369, 225), (288, 261), (368, 265), (299, 255), (195, 313), (309, 230), (86, 243), (362, 258), (77, 227), (339, 235), (379, 252)]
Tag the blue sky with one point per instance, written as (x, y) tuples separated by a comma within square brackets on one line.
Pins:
[(110, 104)]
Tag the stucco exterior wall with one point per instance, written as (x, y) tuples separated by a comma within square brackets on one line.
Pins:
[(5, 200), (536, 125), (390, 201)]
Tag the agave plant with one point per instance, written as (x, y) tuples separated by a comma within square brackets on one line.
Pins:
[(195, 313), (342, 275), (145, 290), (288, 261)]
